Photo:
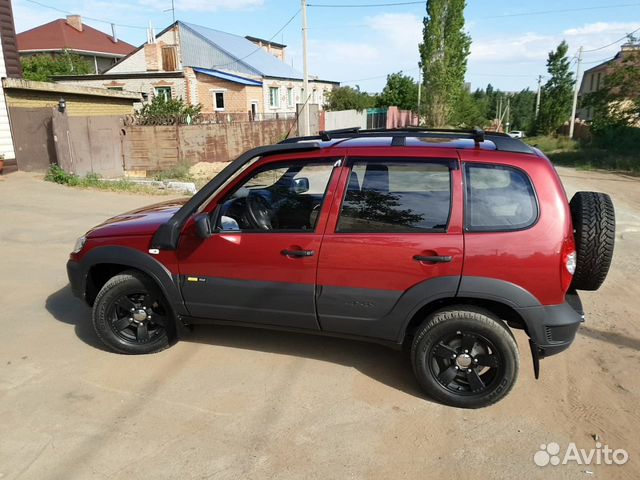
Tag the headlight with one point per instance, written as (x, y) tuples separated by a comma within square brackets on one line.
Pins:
[(79, 244)]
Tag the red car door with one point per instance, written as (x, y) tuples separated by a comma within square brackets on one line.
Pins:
[(393, 241), (260, 264)]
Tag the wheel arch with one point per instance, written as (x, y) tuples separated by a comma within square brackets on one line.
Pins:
[(506, 300), (103, 263), (501, 310)]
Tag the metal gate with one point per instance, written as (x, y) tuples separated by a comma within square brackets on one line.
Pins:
[(89, 144), (33, 138)]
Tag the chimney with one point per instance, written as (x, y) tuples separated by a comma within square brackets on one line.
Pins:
[(114, 35), (153, 56), (75, 21)]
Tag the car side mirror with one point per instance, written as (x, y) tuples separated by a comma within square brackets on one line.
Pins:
[(203, 225), (300, 185)]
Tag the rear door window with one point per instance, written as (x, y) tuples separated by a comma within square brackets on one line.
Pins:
[(498, 198), (398, 196)]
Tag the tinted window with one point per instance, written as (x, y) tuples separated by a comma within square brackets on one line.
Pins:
[(498, 198), (279, 197), (395, 197)]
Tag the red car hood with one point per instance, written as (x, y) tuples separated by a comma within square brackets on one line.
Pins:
[(144, 221)]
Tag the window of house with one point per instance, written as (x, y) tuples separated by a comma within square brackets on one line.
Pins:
[(592, 79), (498, 198), (290, 97), (218, 100), (396, 197), (164, 92), (598, 83), (314, 96), (274, 97)]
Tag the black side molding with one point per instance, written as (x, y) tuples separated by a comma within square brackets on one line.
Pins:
[(167, 236)]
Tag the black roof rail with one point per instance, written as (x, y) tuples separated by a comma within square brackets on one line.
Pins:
[(327, 135), (502, 141)]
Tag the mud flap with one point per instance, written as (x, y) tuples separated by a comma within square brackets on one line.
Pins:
[(535, 355)]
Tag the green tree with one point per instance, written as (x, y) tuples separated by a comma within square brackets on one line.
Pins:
[(443, 58), (557, 93), (348, 98), (523, 107), (468, 111), (43, 67), (400, 91)]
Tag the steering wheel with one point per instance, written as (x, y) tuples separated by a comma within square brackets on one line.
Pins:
[(260, 212)]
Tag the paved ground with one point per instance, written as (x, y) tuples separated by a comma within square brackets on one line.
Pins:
[(249, 404)]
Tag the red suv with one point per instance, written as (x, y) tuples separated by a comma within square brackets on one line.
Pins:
[(439, 240)]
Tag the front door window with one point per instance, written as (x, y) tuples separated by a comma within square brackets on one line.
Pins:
[(277, 198)]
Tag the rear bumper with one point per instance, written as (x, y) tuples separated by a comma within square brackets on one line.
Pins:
[(553, 328)]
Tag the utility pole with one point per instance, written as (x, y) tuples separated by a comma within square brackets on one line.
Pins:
[(575, 95), (306, 123), (538, 97), (507, 115), (419, 97)]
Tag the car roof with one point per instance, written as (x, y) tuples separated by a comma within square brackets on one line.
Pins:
[(418, 138)]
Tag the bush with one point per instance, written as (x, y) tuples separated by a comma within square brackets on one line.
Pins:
[(549, 144), (162, 111)]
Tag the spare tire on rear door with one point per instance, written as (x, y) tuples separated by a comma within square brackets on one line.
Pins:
[(595, 228)]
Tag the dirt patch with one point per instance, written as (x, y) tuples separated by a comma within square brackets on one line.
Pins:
[(206, 170)]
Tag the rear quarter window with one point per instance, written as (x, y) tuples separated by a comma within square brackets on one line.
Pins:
[(498, 198)]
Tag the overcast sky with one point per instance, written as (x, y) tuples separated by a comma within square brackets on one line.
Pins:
[(362, 45)]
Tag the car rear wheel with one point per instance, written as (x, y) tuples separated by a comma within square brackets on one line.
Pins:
[(594, 223), (465, 357), (130, 315)]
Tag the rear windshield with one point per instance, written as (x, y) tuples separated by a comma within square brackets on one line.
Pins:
[(498, 198)]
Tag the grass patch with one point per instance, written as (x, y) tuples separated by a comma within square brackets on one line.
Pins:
[(588, 156), (549, 144), (595, 158), (178, 172), (58, 175)]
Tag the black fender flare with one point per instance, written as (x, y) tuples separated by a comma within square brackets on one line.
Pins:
[(129, 257), (481, 288)]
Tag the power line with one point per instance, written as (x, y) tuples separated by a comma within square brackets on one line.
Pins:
[(66, 12), (381, 76), (259, 48), (505, 15), (363, 5), (612, 43), (564, 10)]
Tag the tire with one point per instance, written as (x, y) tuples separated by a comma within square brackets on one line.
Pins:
[(594, 224), (150, 329), (486, 362)]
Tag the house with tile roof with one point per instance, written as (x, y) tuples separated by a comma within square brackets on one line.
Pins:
[(98, 48), (223, 72)]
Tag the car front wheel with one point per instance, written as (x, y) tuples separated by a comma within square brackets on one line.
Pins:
[(130, 315), (465, 357)]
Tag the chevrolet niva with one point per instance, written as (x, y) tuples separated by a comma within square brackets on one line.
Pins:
[(438, 240)]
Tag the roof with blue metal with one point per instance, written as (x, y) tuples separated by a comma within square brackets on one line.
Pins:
[(228, 77), (246, 52)]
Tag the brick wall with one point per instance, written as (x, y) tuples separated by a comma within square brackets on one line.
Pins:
[(77, 105), (238, 97)]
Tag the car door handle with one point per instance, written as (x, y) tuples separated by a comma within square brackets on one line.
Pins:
[(298, 253), (432, 259)]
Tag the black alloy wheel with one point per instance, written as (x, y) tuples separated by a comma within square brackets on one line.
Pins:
[(465, 356), (130, 315)]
